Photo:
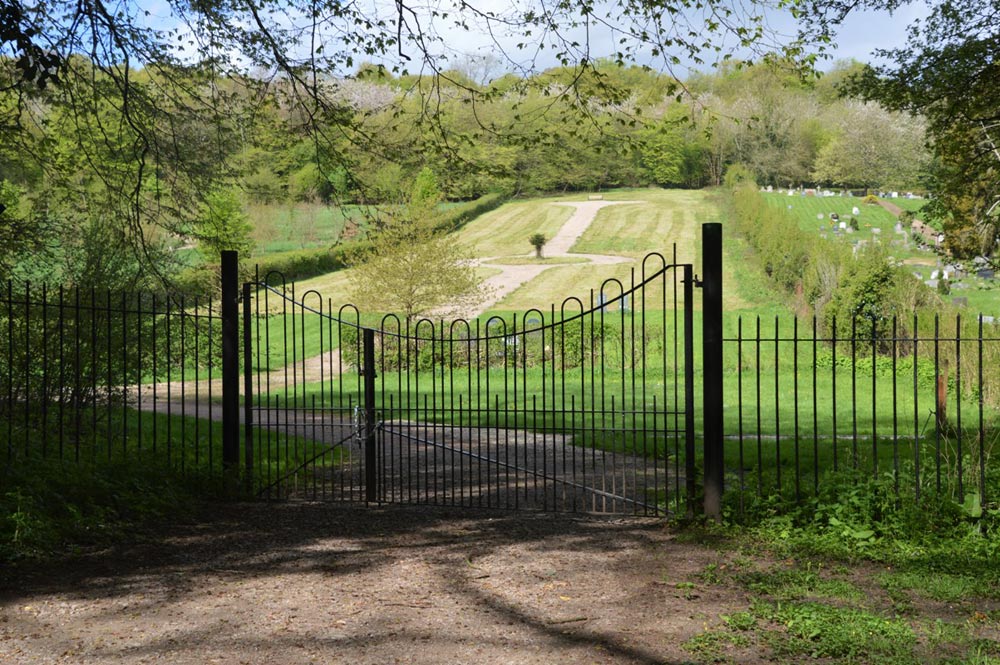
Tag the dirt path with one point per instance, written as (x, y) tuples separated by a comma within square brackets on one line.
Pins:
[(304, 583), (892, 208), (513, 276)]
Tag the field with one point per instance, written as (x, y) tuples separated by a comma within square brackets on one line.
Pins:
[(657, 221)]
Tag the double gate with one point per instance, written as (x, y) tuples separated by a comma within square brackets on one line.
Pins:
[(585, 407)]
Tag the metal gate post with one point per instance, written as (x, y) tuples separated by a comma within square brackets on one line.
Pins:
[(689, 462), (711, 264), (368, 369), (230, 364), (247, 390)]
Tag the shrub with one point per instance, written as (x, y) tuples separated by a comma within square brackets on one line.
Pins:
[(305, 263), (538, 241), (739, 174), (460, 215)]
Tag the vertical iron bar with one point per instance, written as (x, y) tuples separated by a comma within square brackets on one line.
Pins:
[(982, 431), (958, 407), (938, 416), (690, 473), (916, 412), (895, 403), (247, 389), (777, 405), (815, 409), (795, 404), (874, 400), (368, 369)]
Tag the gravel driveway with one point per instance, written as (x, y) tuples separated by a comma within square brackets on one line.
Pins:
[(325, 583)]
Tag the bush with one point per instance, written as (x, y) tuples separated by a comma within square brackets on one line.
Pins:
[(783, 249), (737, 175), (305, 263)]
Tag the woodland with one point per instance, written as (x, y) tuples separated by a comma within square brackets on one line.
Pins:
[(127, 137)]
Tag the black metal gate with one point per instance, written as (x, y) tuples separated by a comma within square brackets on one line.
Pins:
[(586, 407)]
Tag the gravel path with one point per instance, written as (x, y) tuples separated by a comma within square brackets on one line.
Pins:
[(310, 583), (512, 277)]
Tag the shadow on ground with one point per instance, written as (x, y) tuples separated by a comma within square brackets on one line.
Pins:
[(288, 583)]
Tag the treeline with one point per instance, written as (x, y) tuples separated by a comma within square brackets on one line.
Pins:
[(106, 188)]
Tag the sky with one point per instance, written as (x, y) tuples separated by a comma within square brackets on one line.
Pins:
[(861, 34), (864, 32)]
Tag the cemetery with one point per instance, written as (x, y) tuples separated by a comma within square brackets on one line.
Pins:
[(918, 245)]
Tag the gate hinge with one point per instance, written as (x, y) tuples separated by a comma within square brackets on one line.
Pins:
[(695, 281)]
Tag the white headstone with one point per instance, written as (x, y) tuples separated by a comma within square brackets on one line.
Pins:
[(855, 211)]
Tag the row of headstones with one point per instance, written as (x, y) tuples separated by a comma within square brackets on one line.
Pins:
[(827, 193)]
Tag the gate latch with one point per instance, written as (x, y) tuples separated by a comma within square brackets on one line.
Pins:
[(697, 282)]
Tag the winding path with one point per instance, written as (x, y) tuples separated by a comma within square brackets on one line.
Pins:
[(511, 277)]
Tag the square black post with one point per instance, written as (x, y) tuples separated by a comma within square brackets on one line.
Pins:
[(230, 364), (368, 369), (711, 265)]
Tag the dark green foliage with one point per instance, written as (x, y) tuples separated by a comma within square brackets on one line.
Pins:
[(784, 251), (571, 346), (458, 216), (51, 507), (304, 263), (537, 241)]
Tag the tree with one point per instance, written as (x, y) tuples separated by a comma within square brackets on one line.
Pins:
[(222, 225), (411, 266), (872, 147), (538, 241), (166, 107), (948, 73)]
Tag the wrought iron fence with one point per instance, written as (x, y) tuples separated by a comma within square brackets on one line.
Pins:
[(89, 376), (92, 376), (914, 403)]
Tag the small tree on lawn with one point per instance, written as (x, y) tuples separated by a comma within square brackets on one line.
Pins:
[(411, 266), (538, 241)]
